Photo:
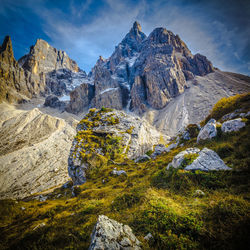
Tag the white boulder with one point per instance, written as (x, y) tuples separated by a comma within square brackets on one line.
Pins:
[(208, 131), (232, 125)]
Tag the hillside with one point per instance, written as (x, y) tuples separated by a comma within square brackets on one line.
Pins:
[(182, 209)]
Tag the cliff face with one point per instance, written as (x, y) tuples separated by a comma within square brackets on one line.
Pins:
[(145, 72), (17, 84), (43, 58)]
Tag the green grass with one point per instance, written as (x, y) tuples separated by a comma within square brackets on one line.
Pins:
[(148, 199)]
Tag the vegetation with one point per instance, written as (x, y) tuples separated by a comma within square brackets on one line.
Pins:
[(148, 199)]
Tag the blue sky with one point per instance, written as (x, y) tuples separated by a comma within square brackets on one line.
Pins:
[(217, 29)]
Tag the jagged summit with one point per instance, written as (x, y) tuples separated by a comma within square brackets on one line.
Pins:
[(7, 46)]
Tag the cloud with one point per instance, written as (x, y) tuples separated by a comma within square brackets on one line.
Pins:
[(86, 29)]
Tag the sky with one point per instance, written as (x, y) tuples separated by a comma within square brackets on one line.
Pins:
[(218, 29)]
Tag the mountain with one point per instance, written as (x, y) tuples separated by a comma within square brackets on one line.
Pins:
[(157, 77), (17, 84), (44, 70)]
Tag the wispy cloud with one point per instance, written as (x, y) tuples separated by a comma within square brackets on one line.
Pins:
[(91, 28)]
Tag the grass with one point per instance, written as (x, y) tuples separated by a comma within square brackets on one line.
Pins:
[(149, 199)]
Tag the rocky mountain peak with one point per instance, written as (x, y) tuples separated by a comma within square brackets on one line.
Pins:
[(136, 27), (7, 46)]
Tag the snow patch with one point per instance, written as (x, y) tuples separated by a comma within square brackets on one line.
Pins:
[(107, 90)]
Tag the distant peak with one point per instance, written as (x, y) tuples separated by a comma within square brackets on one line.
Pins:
[(136, 26), (7, 45)]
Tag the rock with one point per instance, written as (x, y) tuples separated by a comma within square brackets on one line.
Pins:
[(17, 85), (186, 136), (208, 131), (232, 125), (80, 98), (149, 237), (142, 158), (118, 172), (110, 234), (39, 226), (115, 130), (44, 58), (159, 149), (53, 102), (33, 146), (23, 208), (198, 193), (179, 158), (207, 160)]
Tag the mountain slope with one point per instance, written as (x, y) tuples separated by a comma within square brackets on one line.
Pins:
[(34, 151), (159, 78)]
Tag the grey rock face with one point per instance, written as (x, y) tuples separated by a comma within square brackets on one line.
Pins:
[(207, 160), (145, 72), (17, 84), (179, 158), (53, 102), (80, 98), (142, 158), (110, 234), (137, 137), (44, 58), (208, 131), (118, 172), (232, 125)]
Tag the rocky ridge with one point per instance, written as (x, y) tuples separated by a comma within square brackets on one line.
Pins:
[(34, 151), (145, 72), (106, 134)]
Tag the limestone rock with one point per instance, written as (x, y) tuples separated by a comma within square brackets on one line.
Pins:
[(17, 85), (80, 98), (118, 172), (179, 158), (53, 102), (207, 160), (110, 234), (33, 153), (142, 158), (44, 58), (232, 125), (198, 193), (134, 137), (208, 131)]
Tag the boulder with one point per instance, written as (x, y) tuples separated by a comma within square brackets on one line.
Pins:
[(207, 160), (198, 193), (142, 158), (117, 133), (232, 125), (208, 131), (118, 172), (179, 158), (110, 234)]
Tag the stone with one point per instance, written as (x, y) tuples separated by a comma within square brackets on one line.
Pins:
[(33, 146), (118, 172), (198, 193), (186, 136), (53, 102), (232, 125), (110, 234), (179, 158), (142, 158), (137, 138), (208, 131), (149, 237), (208, 160)]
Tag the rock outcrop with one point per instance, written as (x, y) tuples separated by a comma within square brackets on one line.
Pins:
[(53, 102), (204, 160), (106, 135), (17, 84), (208, 131), (232, 125), (145, 72), (110, 234), (33, 153)]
